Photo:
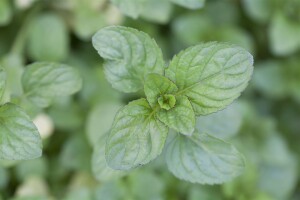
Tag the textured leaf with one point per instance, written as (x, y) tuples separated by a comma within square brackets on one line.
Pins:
[(129, 56), (191, 4), (55, 46), (203, 159), (2, 83), (43, 81), (284, 35), (223, 124), (157, 85), (180, 118), (19, 138), (136, 137), (211, 75), (99, 166)]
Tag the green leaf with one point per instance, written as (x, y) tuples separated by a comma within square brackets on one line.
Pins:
[(157, 85), (100, 169), (43, 81), (259, 10), (129, 55), (5, 12), (55, 46), (136, 137), (131, 8), (223, 124), (284, 35), (158, 11), (100, 120), (2, 84), (211, 75), (269, 79), (180, 118), (19, 138), (191, 4), (203, 159)]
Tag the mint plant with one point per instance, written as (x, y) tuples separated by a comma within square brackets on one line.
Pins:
[(42, 82), (200, 80)]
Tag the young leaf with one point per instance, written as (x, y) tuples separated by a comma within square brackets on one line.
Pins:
[(136, 137), (180, 118), (99, 166), (191, 4), (129, 55), (55, 46), (203, 159), (157, 85), (43, 81), (19, 138), (223, 124), (211, 75), (2, 83)]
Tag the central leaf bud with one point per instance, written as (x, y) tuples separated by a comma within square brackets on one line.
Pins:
[(167, 101)]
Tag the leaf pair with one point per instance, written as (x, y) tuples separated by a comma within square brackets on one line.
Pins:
[(200, 80), (42, 82)]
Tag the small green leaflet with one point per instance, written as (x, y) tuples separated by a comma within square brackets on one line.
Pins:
[(180, 118), (48, 38), (129, 55), (136, 137), (99, 166), (157, 85), (203, 159), (43, 81), (19, 138), (191, 4), (2, 83), (211, 75)]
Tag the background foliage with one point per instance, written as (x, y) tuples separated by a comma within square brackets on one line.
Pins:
[(264, 124)]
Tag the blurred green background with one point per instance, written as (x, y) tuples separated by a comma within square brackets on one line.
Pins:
[(264, 124)]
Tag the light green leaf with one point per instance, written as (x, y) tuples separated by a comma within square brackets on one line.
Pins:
[(100, 120), (43, 81), (132, 8), (211, 75), (191, 4), (156, 86), (2, 83), (100, 169), (136, 137), (203, 159), (158, 11), (269, 79), (55, 46), (5, 12), (180, 118), (284, 35), (19, 138), (259, 10), (223, 124), (129, 55)]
